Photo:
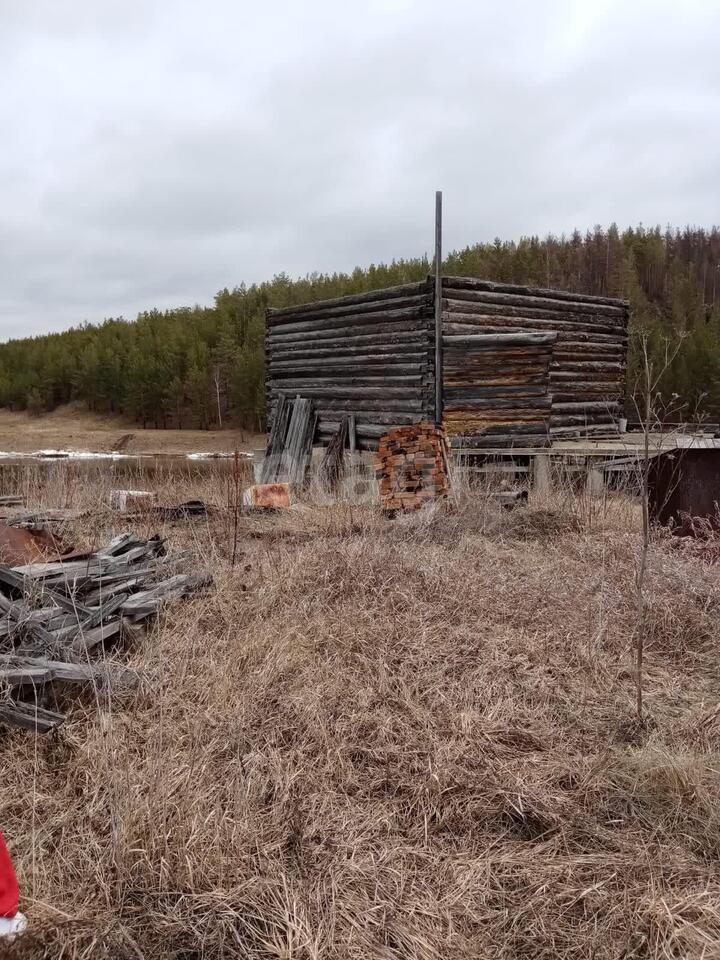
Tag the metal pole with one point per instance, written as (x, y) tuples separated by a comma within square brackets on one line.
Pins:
[(438, 310)]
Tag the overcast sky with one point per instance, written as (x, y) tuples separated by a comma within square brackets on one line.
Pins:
[(155, 151)]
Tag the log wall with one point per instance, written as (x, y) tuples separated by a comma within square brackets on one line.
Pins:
[(587, 370), (496, 389), (368, 354), (372, 355)]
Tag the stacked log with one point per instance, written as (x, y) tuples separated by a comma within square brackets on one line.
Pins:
[(368, 355), (410, 467), (496, 389), (372, 356), (587, 370)]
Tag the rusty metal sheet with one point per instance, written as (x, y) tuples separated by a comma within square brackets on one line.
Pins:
[(22, 545), (684, 485), (273, 496)]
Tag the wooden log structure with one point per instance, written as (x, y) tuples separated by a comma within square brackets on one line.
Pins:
[(518, 362), (515, 366), (587, 368), (369, 356)]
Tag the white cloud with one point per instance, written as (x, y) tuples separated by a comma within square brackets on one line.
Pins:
[(155, 151)]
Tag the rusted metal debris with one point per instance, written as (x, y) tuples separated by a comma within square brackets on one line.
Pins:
[(684, 490), (267, 496), (27, 544), (56, 616)]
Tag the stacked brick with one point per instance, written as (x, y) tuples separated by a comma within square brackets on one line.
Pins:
[(410, 466)]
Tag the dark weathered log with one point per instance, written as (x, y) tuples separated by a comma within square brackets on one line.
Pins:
[(292, 384), (342, 392), (497, 403), (399, 332), (379, 319), (493, 341), (406, 405), (311, 353), (564, 378), (28, 716), (481, 372), (358, 362), (567, 346), (574, 356), (415, 289), (503, 390), (533, 321), (606, 394), (392, 417), (611, 406), (613, 340), (342, 371), (523, 296), (588, 366), (589, 430), (363, 429)]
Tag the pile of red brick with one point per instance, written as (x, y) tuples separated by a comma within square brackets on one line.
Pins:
[(410, 466)]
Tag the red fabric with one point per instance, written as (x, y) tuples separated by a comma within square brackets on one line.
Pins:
[(9, 893)]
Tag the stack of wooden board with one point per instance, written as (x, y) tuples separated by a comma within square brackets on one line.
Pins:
[(55, 616), (290, 442), (411, 466)]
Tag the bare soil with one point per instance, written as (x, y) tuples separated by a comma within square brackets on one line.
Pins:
[(72, 427)]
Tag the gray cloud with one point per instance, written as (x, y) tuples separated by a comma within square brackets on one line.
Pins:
[(154, 152)]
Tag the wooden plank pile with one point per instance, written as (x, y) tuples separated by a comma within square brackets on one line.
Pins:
[(55, 616), (290, 441), (411, 467)]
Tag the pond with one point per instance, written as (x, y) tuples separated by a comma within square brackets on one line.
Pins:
[(65, 480)]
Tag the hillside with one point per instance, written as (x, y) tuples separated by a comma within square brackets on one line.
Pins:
[(199, 367)]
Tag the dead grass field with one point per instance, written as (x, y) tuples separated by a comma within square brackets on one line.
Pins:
[(391, 740), (74, 428)]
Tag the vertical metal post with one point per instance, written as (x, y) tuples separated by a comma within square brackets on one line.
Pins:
[(438, 310)]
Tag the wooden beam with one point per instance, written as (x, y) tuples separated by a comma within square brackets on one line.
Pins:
[(489, 286), (417, 288), (438, 310)]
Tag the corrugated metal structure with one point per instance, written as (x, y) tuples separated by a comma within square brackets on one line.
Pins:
[(520, 365)]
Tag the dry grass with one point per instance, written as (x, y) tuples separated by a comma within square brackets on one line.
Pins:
[(408, 739), (73, 427)]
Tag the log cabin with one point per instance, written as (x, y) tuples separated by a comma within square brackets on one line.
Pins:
[(516, 366)]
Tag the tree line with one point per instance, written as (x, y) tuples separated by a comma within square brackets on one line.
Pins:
[(204, 366)]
